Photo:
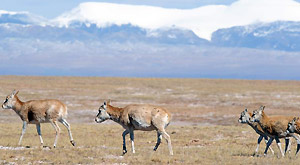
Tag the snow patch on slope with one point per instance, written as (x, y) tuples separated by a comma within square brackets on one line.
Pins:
[(203, 21)]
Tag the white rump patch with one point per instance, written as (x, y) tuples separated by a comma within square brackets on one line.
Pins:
[(165, 119), (51, 109), (60, 113)]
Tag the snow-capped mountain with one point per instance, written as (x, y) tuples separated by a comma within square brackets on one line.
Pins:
[(23, 18), (280, 35), (113, 33), (277, 35), (229, 26), (24, 25), (203, 21)]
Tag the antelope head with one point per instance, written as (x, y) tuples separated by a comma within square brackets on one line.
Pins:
[(257, 114), (245, 117), (102, 114), (10, 100), (292, 126)]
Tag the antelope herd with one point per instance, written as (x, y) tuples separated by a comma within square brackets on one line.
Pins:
[(272, 127), (148, 118), (132, 117)]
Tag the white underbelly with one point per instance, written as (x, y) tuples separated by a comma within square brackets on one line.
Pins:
[(140, 125), (41, 120)]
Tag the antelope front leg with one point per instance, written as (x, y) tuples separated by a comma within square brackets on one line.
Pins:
[(124, 141), (258, 142), (287, 145), (266, 141), (23, 132), (298, 142), (38, 129), (132, 140), (268, 145), (279, 146)]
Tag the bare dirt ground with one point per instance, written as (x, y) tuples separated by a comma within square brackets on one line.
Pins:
[(204, 128)]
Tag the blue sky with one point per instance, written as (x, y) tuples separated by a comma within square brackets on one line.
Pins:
[(53, 8)]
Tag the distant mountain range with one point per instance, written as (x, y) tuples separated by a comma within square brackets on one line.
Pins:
[(33, 45), (22, 18), (281, 35)]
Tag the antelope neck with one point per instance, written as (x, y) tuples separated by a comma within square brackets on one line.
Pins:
[(264, 118), (114, 112), (18, 104)]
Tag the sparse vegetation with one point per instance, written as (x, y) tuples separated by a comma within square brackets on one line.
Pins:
[(204, 128)]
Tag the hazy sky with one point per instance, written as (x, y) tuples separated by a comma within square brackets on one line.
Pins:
[(53, 8)]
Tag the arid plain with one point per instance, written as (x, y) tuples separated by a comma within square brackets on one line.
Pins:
[(204, 127)]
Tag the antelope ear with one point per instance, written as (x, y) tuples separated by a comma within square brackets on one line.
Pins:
[(108, 102), (262, 108), (14, 92), (104, 105), (246, 110)]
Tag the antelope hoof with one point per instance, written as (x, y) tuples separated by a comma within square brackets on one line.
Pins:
[(73, 142), (124, 152)]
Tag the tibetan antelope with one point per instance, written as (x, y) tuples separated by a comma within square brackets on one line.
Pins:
[(138, 117), (245, 119), (275, 127), (293, 127), (39, 111)]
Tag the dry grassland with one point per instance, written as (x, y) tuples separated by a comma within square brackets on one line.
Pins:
[(204, 129)]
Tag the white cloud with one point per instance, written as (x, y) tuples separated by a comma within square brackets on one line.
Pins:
[(11, 13), (203, 21)]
